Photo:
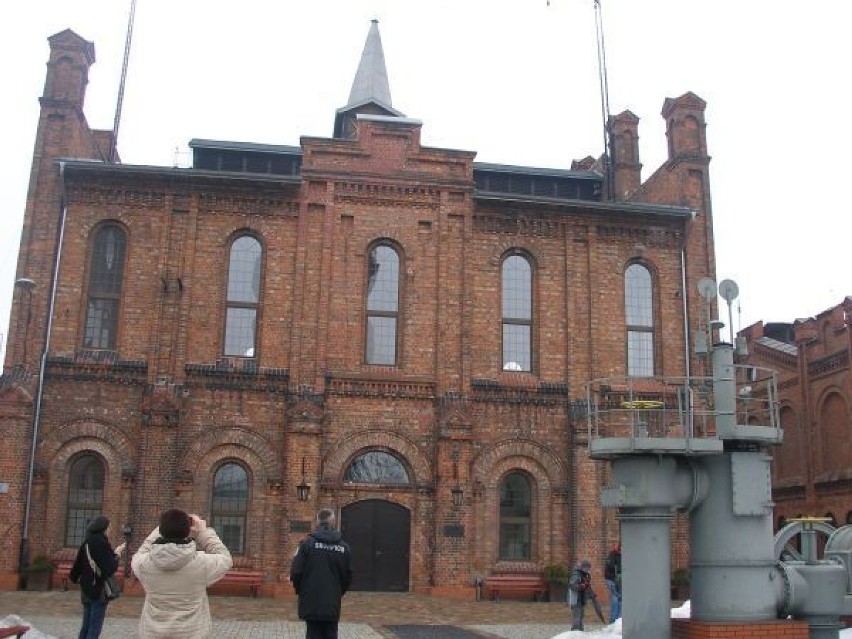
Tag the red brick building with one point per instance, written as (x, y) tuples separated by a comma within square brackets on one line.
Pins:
[(392, 330), (812, 469)]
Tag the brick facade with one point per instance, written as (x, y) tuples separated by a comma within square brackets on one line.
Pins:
[(165, 408), (811, 469)]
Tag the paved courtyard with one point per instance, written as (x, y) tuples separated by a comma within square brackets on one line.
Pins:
[(365, 616)]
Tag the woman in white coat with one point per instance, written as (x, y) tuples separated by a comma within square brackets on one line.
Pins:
[(175, 565)]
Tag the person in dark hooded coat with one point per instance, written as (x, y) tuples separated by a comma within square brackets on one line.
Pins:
[(321, 574), (92, 585)]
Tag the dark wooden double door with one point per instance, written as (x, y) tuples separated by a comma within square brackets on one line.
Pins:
[(379, 534)]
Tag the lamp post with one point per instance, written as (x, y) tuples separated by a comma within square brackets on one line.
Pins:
[(127, 531), (27, 285)]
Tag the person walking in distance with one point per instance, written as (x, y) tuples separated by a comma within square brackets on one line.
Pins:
[(321, 573), (612, 579), (579, 591)]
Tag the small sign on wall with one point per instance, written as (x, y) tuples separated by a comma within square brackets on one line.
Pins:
[(4, 487), (300, 526)]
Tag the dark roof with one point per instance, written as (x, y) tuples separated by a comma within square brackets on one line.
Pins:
[(533, 170), (197, 143)]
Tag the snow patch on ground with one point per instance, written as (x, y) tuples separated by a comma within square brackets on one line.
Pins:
[(614, 630), (14, 620)]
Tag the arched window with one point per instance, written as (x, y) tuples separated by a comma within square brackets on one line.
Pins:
[(85, 496), (517, 314), (382, 305), (376, 467), (106, 275), (789, 459), (243, 297), (835, 433), (229, 506), (515, 517), (639, 314)]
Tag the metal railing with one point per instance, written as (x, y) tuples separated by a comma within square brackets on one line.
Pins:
[(676, 407)]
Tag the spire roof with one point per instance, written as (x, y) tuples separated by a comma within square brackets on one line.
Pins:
[(370, 90), (371, 79)]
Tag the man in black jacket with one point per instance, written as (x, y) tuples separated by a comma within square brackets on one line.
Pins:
[(321, 574)]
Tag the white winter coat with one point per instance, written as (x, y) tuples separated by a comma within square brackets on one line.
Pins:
[(175, 578)]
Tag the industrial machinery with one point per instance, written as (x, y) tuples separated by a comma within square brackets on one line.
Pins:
[(701, 445)]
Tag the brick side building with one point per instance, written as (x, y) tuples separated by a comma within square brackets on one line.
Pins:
[(361, 322), (812, 469)]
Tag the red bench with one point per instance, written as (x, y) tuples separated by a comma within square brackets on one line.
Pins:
[(515, 583), (251, 578), (62, 568)]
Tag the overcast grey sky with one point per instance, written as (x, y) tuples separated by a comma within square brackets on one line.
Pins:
[(514, 80)]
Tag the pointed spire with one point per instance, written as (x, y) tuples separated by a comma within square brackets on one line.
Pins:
[(371, 79), (370, 90)]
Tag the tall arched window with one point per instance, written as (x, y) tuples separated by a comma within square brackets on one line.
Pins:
[(243, 297), (517, 313), (106, 275), (515, 517), (788, 458), (639, 314), (382, 305), (85, 496), (229, 506), (836, 433)]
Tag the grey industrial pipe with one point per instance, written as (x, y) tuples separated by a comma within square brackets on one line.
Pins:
[(650, 489), (731, 556)]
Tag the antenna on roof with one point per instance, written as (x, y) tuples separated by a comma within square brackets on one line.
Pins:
[(604, 95), (114, 145)]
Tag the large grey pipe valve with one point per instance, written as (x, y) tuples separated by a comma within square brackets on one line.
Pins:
[(812, 592)]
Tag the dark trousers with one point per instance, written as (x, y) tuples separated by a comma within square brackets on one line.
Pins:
[(93, 619), (321, 630)]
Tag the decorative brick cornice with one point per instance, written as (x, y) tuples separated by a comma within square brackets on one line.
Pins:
[(832, 481), (378, 194), (519, 224), (235, 373), (86, 365), (654, 237), (378, 387), (542, 394), (829, 364), (774, 356), (247, 203), (89, 194)]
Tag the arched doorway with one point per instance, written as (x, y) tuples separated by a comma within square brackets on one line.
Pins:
[(379, 533)]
